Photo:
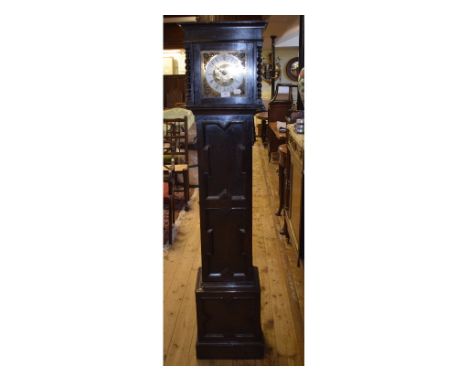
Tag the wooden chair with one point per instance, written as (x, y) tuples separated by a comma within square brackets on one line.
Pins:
[(176, 150), (281, 103), (168, 197), (275, 139), (279, 109)]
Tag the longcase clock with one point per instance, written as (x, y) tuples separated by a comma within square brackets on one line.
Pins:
[(223, 70)]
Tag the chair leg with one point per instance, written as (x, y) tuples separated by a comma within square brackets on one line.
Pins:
[(171, 219), (173, 209), (284, 230), (186, 189)]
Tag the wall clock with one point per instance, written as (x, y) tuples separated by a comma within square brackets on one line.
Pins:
[(292, 68), (223, 71)]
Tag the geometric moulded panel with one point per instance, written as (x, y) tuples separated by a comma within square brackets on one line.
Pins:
[(227, 246), (225, 158)]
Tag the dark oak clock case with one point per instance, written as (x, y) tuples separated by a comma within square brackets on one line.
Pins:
[(227, 288)]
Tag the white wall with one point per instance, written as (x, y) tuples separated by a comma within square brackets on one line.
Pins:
[(178, 56)]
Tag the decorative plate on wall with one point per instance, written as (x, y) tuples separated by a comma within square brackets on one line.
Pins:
[(292, 68)]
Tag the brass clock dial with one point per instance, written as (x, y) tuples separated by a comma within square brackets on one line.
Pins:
[(223, 73)]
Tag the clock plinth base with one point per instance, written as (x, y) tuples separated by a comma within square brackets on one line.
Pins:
[(230, 350), (228, 318)]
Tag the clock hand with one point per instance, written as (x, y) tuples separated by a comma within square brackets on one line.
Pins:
[(223, 71)]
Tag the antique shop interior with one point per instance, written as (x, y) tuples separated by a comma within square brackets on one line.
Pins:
[(233, 182)]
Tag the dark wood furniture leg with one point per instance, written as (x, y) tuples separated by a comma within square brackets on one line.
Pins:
[(186, 189), (171, 217), (169, 200), (273, 144), (284, 230), (281, 189), (286, 191), (283, 152)]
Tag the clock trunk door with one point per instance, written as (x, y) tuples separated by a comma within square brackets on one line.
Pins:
[(225, 160)]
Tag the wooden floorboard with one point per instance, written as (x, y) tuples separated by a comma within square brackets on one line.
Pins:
[(282, 282)]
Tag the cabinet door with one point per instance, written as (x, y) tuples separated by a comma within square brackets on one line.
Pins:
[(174, 90), (224, 163)]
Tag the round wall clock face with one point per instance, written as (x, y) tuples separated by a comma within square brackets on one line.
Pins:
[(292, 68), (223, 73)]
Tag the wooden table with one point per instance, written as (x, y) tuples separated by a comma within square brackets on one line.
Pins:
[(275, 138), (264, 118), (295, 207)]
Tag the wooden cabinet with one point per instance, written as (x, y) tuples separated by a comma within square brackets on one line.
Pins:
[(174, 90), (173, 36), (295, 210)]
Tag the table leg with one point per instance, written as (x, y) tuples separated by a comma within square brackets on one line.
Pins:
[(186, 189), (281, 189)]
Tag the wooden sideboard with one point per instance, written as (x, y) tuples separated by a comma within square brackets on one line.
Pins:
[(294, 206)]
